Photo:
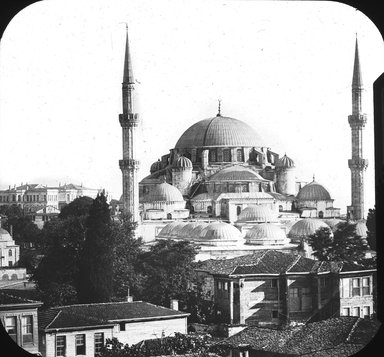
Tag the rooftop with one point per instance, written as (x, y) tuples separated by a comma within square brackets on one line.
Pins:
[(84, 315)]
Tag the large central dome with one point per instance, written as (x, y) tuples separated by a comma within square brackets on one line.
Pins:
[(219, 131)]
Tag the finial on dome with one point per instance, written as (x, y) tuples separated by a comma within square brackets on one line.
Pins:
[(313, 177), (219, 111)]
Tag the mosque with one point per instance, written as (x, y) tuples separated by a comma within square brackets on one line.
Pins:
[(221, 188)]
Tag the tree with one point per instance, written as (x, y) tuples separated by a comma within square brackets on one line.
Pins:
[(343, 245), (168, 271), (95, 279), (127, 250), (62, 241), (371, 226)]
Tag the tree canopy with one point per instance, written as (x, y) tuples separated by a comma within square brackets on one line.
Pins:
[(344, 244), (371, 226)]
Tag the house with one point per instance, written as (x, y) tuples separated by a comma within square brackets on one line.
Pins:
[(82, 329), (277, 288), (334, 337), (19, 318)]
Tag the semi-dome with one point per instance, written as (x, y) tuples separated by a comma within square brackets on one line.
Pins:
[(220, 231), (313, 192), (163, 192), (218, 131), (183, 162), (5, 236), (236, 173), (306, 227), (266, 234), (285, 162), (257, 213)]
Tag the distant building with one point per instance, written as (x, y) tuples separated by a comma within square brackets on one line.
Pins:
[(82, 329), (275, 288), (41, 202), (9, 257), (336, 337), (19, 318)]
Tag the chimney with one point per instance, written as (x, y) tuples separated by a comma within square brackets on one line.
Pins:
[(174, 304), (129, 297)]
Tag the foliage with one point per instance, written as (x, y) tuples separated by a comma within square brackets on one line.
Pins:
[(126, 251), (62, 240), (371, 226), (24, 230), (168, 271), (343, 245), (77, 208), (179, 344), (94, 282)]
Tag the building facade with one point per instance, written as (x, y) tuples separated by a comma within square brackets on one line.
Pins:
[(278, 288), (82, 329)]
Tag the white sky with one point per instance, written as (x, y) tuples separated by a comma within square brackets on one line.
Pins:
[(285, 68)]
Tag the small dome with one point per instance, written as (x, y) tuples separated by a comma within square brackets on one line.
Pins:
[(306, 227), (218, 131), (183, 163), (220, 231), (177, 229), (195, 232), (167, 229), (5, 236), (187, 230), (361, 229), (266, 234), (156, 166), (333, 222), (313, 192), (285, 162), (257, 213), (163, 192)]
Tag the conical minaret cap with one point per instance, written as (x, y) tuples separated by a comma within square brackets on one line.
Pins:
[(357, 81), (128, 73)]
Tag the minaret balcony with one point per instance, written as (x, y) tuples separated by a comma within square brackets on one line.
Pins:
[(357, 121), (358, 164), (129, 164), (129, 120)]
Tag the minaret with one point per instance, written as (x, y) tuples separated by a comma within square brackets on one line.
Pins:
[(357, 164), (129, 122)]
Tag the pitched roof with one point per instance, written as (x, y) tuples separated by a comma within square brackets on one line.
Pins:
[(273, 262), (331, 337), (85, 315), (8, 299)]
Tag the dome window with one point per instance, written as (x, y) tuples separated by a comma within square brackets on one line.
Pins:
[(240, 156), (212, 155), (226, 155)]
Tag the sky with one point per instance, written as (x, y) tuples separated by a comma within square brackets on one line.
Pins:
[(285, 68)]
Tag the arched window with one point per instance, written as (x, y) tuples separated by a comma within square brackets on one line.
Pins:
[(212, 155), (169, 216), (238, 210), (240, 156), (280, 208), (321, 214), (10, 253), (226, 155), (209, 209)]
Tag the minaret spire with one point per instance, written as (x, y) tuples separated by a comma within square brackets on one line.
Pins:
[(129, 122), (357, 122)]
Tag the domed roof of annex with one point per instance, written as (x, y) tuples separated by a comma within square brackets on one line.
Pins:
[(219, 131), (306, 227), (169, 229), (257, 213), (183, 162), (265, 234), (163, 192), (5, 236), (220, 231), (313, 191), (156, 166), (285, 161), (236, 173)]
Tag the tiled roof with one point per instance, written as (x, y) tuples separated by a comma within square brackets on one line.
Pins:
[(273, 262), (331, 337), (7, 299), (103, 314), (236, 173)]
